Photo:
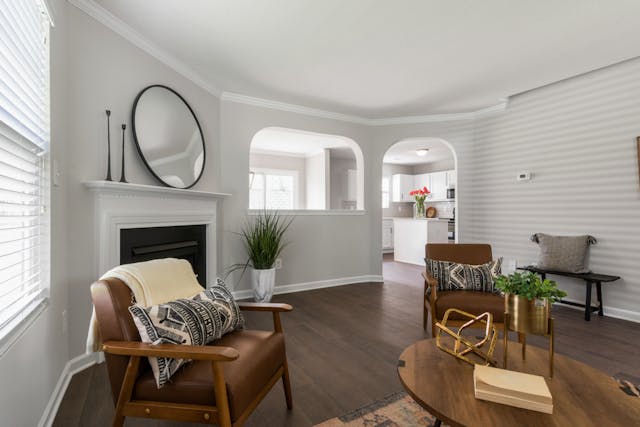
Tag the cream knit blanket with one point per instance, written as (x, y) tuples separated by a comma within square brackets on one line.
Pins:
[(151, 282)]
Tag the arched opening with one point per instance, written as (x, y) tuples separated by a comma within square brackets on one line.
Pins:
[(410, 165), (291, 169)]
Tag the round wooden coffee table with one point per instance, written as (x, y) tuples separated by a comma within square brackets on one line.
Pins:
[(582, 396)]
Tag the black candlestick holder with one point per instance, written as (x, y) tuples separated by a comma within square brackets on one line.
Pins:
[(108, 178), (122, 176)]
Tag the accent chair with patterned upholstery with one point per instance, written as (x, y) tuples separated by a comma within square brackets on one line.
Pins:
[(223, 383), (437, 302)]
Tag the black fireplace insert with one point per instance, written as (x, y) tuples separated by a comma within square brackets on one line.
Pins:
[(185, 242)]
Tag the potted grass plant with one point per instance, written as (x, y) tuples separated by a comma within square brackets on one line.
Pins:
[(263, 238), (528, 301)]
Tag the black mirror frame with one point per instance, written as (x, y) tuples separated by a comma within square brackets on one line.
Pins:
[(135, 136)]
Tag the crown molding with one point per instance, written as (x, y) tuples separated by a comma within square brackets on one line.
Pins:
[(300, 109), (445, 117), (100, 14), (292, 108)]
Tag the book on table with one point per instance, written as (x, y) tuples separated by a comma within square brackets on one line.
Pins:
[(512, 388)]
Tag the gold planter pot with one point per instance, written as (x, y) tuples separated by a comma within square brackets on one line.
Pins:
[(527, 316)]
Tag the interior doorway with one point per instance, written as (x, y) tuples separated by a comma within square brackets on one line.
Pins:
[(418, 171)]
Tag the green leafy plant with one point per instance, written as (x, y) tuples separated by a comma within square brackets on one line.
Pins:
[(263, 238), (531, 286)]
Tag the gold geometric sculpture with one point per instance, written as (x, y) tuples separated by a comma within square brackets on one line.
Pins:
[(463, 348)]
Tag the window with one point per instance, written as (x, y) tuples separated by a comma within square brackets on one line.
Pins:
[(273, 189), (24, 143), (385, 192)]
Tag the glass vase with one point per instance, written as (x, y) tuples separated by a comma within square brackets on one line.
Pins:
[(418, 210)]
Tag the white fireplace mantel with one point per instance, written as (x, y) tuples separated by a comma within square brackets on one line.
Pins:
[(148, 190), (120, 206)]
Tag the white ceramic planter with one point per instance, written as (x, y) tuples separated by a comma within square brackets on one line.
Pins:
[(262, 283)]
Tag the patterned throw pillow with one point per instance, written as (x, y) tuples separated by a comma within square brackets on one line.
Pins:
[(230, 314), (197, 321), (480, 278), (460, 277), (439, 270)]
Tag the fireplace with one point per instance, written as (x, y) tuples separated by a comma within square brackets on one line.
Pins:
[(153, 214), (186, 242)]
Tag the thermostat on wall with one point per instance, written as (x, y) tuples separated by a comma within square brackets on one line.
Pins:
[(524, 176)]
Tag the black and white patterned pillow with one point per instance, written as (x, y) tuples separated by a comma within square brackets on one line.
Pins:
[(439, 270), (480, 278), (459, 277), (197, 321), (221, 297)]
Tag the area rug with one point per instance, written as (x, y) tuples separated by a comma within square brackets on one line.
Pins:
[(400, 410), (395, 410)]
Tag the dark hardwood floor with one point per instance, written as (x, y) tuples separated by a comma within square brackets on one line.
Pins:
[(343, 344)]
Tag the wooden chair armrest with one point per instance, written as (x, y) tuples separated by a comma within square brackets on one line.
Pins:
[(264, 306), (431, 281), (175, 351)]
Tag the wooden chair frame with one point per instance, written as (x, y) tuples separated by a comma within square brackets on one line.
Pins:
[(431, 288), (217, 355)]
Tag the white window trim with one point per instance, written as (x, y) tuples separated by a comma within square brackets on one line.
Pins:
[(21, 324)]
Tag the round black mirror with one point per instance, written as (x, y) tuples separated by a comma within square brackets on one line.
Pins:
[(168, 136)]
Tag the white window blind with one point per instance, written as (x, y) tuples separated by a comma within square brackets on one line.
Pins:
[(24, 142)]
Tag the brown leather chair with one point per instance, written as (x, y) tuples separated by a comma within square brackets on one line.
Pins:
[(222, 385), (473, 302)]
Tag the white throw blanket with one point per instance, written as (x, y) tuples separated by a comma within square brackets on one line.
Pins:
[(151, 282)]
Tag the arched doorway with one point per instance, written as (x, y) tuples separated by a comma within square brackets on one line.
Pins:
[(409, 165)]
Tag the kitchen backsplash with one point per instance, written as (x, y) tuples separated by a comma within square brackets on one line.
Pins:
[(398, 210), (405, 209)]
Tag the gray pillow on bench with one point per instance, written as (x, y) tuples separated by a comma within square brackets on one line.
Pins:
[(563, 253)]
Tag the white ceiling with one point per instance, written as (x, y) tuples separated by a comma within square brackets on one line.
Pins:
[(296, 143), (377, 58), (404, 152)]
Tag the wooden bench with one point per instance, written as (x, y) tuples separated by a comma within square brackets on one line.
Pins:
[(589, 278)]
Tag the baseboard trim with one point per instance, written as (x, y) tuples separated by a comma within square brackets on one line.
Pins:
[(308, 286), (617, 313), (72, 367)]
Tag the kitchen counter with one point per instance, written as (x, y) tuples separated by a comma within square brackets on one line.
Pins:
[(410, 235)]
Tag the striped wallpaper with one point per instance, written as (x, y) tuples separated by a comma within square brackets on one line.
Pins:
[(578, 139)]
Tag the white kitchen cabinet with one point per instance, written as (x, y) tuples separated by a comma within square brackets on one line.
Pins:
[(401, 186), (451, 179), (387, 235), (422, 180), (352, 185), (438, 185)]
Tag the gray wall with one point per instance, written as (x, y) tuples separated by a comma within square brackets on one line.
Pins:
[(31, 367), (322, 246), (578, 139), (107, 72)]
